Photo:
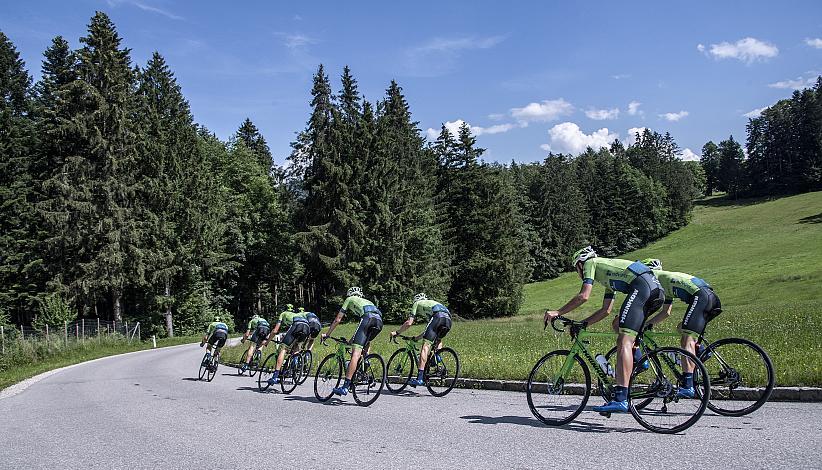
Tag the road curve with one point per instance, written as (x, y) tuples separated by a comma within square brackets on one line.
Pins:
[(147, 410)]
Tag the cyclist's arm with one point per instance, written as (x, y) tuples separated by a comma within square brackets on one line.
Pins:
[(662, 315), (604, 311), (336, 322), (405, 325), (576, 301), (276, 328)]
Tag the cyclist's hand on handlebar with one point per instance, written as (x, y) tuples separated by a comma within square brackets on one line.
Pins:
[(202, 343), (394, 333), (549, 315)]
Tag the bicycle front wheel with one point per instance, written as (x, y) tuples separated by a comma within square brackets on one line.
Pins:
[(243, 359), (558, 388), (442, 372), (289, 375), (329, 375), (400, 368), (741, 376), (212, 367), (306, 358), (204, 365), (664, 409), (368, 380), (266, 372), (254, 367)]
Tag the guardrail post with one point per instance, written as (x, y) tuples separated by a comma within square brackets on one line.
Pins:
[(153, 342), (114, 328), (22, 333), (47, 336), (83, 335), (126, 332), (65, 332), (3, 341), (98, 327)]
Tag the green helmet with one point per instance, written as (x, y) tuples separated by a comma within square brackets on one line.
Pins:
[(583, 255), (301, 310), (652, 263), (289, 307), (217, 318)]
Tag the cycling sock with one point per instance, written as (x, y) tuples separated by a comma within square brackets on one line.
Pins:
[(637, 355), (620, 393), (276, 374), (688, 380), (420, 374), (347, 383)]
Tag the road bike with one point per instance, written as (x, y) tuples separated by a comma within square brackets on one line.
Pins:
[(289, 372), (252, 366), (367, 382), (442, 369), (209, 364), (740, 372), (559, 385)]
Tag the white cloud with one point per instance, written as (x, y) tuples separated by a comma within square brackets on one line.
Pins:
[(633, 108), (297, 40), (496, 116), (688, 155), (567, 137), (814, 42), (674, 117), (454, 128), (748, 50), (438, 56), (796, 84), (630, 139), (548, 110), (621, 76), (145, 7), (602, 114), (755, 113)]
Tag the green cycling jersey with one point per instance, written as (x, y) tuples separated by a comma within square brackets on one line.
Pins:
[(613, 273), (288, 317), (681, 286), (423, 309), (216, 325), (355, 305), (255, 322)]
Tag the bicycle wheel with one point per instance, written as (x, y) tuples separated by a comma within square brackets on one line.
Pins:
[(240, 370), (442, 371), (329, 375), (254, 367), (368, 380), (657, 388), (212, 367), (558, 388), (306, 358), (204, 365), (400, 369), (289, 373), (741, 376), (266, 372)]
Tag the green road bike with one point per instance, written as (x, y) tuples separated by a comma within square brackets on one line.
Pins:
[(367, 382), (559, 385), (290, 371), (209, 364), (741, 373), (442, 369)]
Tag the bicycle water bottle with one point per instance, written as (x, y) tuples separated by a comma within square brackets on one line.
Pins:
[(603, 364)]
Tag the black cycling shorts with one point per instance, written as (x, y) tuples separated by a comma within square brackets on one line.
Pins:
[(370, 326), (298, 332), (314, 326), (218, 338), (702, 308), (438, 327), (260, 334), (645, 298)]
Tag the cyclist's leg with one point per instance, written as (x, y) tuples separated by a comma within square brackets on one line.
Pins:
[(694, 322)]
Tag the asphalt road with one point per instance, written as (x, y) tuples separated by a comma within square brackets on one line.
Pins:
[(147, 410)]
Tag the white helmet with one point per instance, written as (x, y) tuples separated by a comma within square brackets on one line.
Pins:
[(355, 291), (583, 255), (652, 263), (420, 296)]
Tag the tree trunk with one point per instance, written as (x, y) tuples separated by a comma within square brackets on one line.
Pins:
[(169, 323), (118, 313)]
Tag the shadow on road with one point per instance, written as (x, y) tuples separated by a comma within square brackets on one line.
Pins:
[(579, 426), (257, 390), (191, 379), (331, 402)]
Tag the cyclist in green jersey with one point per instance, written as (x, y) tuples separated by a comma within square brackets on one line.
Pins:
[(643, 297), (369, 327), (215, 335), (703, 305), (439, 324), (258, 329), (297, 331)]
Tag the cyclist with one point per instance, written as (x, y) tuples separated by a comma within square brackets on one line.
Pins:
[(369, 327), (703, 306), (643, 297), (215, 335), (439, 324), (315, 326), (298, 330), (260, 328)]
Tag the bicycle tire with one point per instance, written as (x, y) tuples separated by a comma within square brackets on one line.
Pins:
[(438, 369), (662, 387), (400, 358), (266, 372), (243, 359), (289, 373), (329, 368), (203, 367), (254, 367), (370, 380), (213, 365), (557, 389), (306, 359), (713, 356)]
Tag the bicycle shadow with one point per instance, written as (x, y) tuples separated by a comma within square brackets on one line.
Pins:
[(269, 390), (578, 426), (331, 402), (191, 379)]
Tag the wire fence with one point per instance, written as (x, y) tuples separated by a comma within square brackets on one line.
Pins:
[(78, 331)]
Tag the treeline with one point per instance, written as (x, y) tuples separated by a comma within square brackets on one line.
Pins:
[(784, 151), (116, 204)]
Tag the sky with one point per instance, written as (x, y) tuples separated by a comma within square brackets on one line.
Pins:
[(528, 77)]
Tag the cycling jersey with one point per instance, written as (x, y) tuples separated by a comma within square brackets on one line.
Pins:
[(255, 322), (424, 309), (615, 274), (287, 318), (216, 325), (679, 285), (358, 306)]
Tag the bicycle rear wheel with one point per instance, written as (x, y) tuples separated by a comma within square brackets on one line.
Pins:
[(400, 368), (243, 358), (306, 358), (289, 374), (442, 371), (254, 367), (741, 376), (212, 367), (656, 388), (328, 376), (369, 380), (204, 365), (558, 388), (266, 372)]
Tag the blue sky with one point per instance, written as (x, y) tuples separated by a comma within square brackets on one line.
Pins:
[(527, 76)]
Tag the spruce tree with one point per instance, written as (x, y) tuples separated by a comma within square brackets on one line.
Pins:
[(251, 137), (710, 165)]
